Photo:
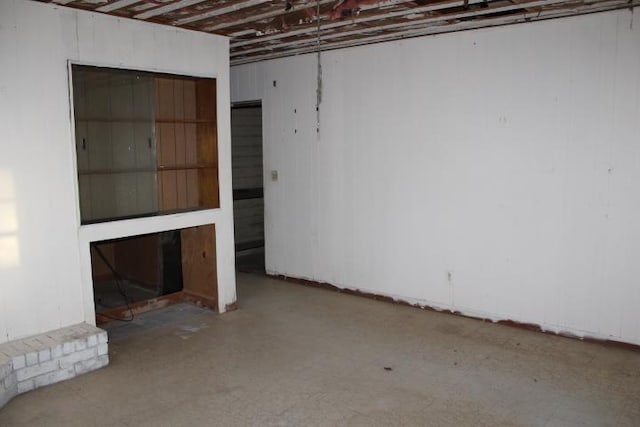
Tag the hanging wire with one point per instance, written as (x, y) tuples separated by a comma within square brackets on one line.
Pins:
[(319, 70), (119, 283)]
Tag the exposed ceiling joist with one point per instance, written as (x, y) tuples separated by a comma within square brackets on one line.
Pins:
[(116, 5), (411, 33), (256, 18), (221, 11), (410, 24), (295, 8), (167, 8), (325, 27), (264, 29)]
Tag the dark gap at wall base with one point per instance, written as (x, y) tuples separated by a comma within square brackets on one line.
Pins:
[(505, 322)]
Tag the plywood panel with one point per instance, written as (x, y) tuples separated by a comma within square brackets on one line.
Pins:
[(178, 99), (168, 195), (199, 261), (181, 189), (140, 260), (206, 99), (165, 134), (191, 156), (207, 143), (164, 98), (191, 144), (208, 188), (166, 138), (189, 96), (206, 134), (100, 270), (193, 191)]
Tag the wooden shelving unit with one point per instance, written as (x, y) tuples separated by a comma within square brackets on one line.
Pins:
[(186, 134), (146, 143)]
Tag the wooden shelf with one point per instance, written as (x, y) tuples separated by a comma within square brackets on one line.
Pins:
[(115, 171), (174, 116), (162, 168), (185, 121), (143, 120)]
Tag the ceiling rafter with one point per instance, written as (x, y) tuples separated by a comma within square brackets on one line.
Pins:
[(417, 23), (264, 29), (167, 8), (295, 8), (116, 5), (360, 20), (221, 11), (461, 26)]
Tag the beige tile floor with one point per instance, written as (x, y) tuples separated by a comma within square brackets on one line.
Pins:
[(298, 356)]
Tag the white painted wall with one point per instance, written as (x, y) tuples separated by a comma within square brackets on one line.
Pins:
[(507, 157), (45, 275)]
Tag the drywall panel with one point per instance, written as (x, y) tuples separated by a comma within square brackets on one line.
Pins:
[(492, 172), (45, 272)]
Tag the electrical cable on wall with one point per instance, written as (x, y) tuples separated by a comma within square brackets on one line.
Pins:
[(319, 70)]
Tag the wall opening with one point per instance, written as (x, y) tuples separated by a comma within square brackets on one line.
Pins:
[(248, 186), (146, 143), (136, 274)]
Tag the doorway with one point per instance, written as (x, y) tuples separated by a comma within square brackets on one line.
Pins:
[(248, 189)]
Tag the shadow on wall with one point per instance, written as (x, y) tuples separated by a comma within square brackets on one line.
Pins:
[(9, 244)]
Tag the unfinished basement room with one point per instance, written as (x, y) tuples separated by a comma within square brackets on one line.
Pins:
[(319, 213)]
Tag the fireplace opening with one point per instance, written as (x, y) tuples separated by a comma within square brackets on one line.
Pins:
[(135, 274)]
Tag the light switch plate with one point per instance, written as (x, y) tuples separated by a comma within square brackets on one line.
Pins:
[(274, 175)]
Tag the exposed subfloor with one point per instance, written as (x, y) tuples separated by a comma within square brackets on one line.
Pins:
[(299, 356)]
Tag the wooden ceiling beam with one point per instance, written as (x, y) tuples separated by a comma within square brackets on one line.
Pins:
[(262, 16), (461, 26), (116, 5), (345, 24), (167, 8), (377, 17), (221, 11)]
